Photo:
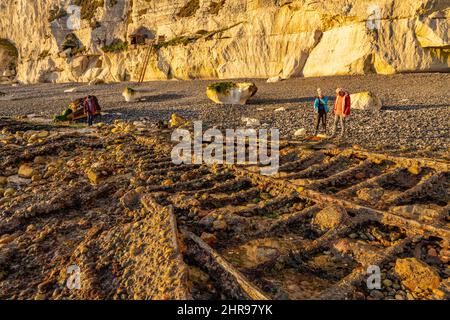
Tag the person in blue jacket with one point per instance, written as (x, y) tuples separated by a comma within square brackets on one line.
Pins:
[(321, 109)]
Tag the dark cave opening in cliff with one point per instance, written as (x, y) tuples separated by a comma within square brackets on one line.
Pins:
[(141, 36), (9, 56)]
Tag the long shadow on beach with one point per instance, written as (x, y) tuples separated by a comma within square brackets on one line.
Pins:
[(162, 97), (262, 101), (415, 107), (147, 114)]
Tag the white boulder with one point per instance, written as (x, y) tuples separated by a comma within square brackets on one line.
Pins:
[(231, 93), (250, 122), (274, 79), (366, 101), (130, 94), (300, 132)]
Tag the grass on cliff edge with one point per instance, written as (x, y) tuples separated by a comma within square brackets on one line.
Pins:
[(89, 7), (115, 46), (222, 87)]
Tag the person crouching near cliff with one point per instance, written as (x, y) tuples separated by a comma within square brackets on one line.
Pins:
[(341, 111), (321, 109)]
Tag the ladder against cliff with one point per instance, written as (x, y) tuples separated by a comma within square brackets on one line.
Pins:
[(145, 63), (148, 53)]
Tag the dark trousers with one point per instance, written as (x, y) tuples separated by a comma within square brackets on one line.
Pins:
[(321, 117), (90, 119)]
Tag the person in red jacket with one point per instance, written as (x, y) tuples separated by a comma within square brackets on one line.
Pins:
[(91, 107), (341, 110)]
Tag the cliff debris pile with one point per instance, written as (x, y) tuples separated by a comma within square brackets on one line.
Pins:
[(110, 204), (182, 39)]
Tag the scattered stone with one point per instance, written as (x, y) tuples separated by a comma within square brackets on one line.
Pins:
[(16, 180), (409, 296), (209, 238), (300, 132), (432, 252), (26, 171), (3, 181), (417, 275), (330, 217), (370, 195), (358, 295), (342, 245), (97, 173), (274, 79), (414, 169), (36, 178), (31, 228), (280, 109), (220, 225), (42, 134), (377, 295), (177, 121), (444, 255), (9, 192), (40, 296), (93, 176), (167, 182), (387, 283), (40, 160), (265, 254), (250, 122)]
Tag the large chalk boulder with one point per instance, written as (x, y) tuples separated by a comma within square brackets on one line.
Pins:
[(231, 93), (129, 94), (366, 101)]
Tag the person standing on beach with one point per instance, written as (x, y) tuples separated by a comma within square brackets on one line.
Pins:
[(321, 109), (90, 108), (341, 111)]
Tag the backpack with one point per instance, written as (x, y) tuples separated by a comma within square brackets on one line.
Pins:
[(348, 103)]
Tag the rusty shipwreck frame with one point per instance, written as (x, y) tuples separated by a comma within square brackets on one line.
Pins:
[(239, 287)]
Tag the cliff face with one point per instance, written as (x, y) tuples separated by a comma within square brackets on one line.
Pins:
[(222, 38)]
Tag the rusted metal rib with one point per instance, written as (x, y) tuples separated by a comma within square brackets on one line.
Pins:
[(248, 289)]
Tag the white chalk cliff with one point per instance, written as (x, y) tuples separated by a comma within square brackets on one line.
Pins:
[(221, 38)]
